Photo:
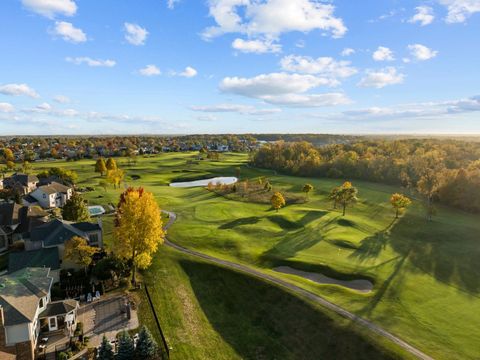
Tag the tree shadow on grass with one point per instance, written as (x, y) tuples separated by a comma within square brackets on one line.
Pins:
[(261, 321), (243, 221), (312, 215), (372, 246), (284, 223)]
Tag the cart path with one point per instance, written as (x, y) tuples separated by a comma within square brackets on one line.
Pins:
[(298, 290)]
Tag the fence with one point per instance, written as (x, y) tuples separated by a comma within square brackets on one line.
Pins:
[(164, 341)]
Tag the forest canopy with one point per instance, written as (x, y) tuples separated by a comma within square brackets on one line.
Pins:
[(455, 165)]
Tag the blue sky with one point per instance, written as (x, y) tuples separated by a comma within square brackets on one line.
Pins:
[(239, 66)]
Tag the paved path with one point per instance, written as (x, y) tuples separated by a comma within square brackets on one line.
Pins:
[(307, 294)]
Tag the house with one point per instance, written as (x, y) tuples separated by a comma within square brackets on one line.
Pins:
[(45, 257), (55, 233), (26, 310), (52, 195), (22, 183), (16, 220), (1, 184)]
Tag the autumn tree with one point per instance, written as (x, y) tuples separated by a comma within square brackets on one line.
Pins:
[(111, 164), (277, 201), (138, 228), (334, 196), (428, 186), (26, 167), (103, 184), (75, 209), (100, 166), (78, 251), (347, 194), (306, 189), (399, 202), (115, 177)]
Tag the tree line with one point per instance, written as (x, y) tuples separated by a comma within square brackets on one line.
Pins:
[(446, 171)]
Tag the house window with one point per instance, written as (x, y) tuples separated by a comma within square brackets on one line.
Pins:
[(93, 239), (53, 322), (41, 303)]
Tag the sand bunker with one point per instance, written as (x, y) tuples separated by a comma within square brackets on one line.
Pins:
[(205, 182)]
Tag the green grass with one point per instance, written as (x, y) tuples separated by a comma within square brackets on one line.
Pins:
[(210, 312), (426, 275)]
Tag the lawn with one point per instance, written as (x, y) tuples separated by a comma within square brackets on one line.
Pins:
[(426, 274)]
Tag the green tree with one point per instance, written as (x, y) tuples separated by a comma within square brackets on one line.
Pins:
[(75, 209), (26, 167), (399, 202), (103, 184), (306, 189), (105, 352), (347, 195), (147, 347), (100, 166), (111, 164), (268, 186), (126, 347), (277, 201)]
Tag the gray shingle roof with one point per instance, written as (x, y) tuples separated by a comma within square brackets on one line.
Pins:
[(54, 188), (46, 257), (20, 293), (55, 232), (59, 308)]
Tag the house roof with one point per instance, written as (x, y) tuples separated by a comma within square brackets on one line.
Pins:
[(46, 257), (24, 179), (55, 232), (59, 308), (9, 214), (87, 226), (54, 188), (20, 293)]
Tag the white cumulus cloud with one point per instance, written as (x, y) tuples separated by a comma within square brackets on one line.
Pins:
[(460, 10), (150, 70), (68, 32), (256, 46), (381, 78), (284, 89), (61, 99), (91, 62), (171, 4), (236, 108), (271, 18), (51, 8), (189, 72), (424, 15), (17, 90), (6, 107), (421, 52), (135, 34), (325, 66), (383, 54), (347, 52)]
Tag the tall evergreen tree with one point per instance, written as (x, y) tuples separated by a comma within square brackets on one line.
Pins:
[(106, 351), (147, 347), (126, 347)]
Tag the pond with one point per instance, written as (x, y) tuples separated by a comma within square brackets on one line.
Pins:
[(96, 210), (204, 182)]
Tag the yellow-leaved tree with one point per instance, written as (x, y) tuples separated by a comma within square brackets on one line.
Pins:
[(277, 201), (138, 228), (78, 251)]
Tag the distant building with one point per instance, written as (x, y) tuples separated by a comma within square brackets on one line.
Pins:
[(15, 220), (22, 183), (55, 233), (26, 310), (52, 195)]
